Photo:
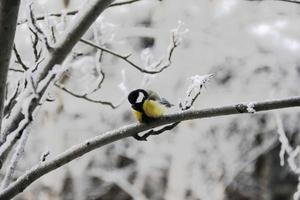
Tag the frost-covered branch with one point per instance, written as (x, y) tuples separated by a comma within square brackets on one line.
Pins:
[(79, 150), (56, 56), (8, 19)]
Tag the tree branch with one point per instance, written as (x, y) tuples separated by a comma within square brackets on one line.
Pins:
[(290, 1), (85, 97), (8, 19), (287, 1), (125, 57), (56, 56), (79, 150)]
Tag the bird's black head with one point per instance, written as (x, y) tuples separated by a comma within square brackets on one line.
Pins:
[(137, 96)]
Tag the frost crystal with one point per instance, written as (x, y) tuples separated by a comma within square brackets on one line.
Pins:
[(179, 32), (194, 90), (250, 108)]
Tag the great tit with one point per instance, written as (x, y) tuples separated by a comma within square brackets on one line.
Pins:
[(147, 105)]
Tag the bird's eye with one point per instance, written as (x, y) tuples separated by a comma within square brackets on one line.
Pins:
[(140, 97)]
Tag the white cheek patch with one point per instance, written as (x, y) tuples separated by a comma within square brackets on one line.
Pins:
[(140, 98)]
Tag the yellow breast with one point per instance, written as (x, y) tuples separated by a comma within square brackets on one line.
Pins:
[(137, 115), (153, 108)]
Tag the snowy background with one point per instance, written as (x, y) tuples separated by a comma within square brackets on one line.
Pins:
[(253, 49)]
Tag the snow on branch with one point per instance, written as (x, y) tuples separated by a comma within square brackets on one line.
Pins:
[(194, 90), (79, 150)]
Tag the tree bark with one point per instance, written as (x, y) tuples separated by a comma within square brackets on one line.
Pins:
[(8, 21)]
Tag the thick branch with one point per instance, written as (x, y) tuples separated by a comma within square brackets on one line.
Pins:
[(8, 19), (111, 136)]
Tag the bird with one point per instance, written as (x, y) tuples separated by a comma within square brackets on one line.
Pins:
[(147, 105)]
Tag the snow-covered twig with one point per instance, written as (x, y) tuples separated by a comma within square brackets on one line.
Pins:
[(194, 90)]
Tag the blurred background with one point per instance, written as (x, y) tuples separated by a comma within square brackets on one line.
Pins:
[(253, 49)]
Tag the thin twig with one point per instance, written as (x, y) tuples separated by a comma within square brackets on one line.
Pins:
[(16, 70), (123, 3), (19, 59), (85, 97), (34, 41), (77, 151), (37, 28), (125, 58), (287, 1)]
